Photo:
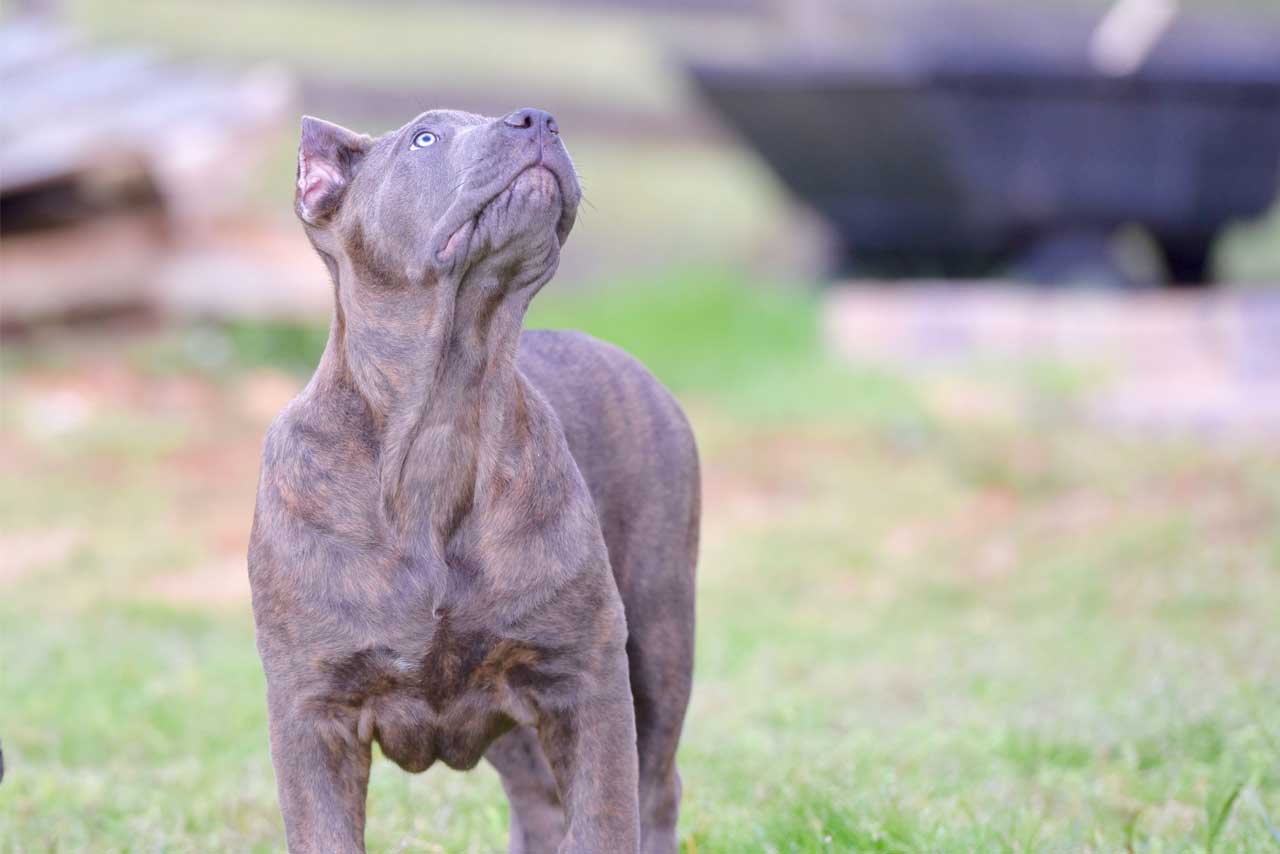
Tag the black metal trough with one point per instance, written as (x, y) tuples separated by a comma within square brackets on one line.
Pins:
[(975, 148)]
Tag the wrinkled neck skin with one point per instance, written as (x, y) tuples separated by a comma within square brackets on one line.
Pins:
[(430, 355)]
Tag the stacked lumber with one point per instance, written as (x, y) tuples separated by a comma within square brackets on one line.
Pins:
[(107, 157)]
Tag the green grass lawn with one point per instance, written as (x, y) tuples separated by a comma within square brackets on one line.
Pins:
[(916, 633)]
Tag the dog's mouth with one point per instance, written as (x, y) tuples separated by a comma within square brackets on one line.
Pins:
[(537, 179), (564, 191), (538, 188)]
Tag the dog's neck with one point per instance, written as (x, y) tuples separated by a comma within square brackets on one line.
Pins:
[(434, 365)]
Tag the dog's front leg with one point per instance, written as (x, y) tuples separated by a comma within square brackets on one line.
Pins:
[(322, 775), (591, 746)]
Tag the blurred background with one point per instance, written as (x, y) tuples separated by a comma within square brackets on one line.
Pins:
[(975, 308)]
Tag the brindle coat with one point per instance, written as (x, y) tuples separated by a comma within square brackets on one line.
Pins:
[(470, 541)]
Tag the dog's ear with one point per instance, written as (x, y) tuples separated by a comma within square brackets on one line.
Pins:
[(328, 157)]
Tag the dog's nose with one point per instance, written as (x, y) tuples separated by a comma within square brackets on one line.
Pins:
[(532, 121)]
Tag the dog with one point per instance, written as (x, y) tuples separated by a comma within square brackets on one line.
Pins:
[(470, 540)]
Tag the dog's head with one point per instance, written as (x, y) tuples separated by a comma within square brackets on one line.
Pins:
[(446, 192)]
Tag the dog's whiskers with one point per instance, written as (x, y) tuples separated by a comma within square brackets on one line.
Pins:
[(466, 174)]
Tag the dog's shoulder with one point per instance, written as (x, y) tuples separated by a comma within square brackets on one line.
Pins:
[(318, 475), (319, 431)]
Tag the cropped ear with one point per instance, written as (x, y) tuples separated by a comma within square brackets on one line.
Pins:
[(328, 156)]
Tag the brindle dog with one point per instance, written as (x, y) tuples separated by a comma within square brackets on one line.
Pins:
[(470, 541)]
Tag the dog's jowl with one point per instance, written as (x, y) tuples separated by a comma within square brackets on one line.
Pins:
[(470, 541)]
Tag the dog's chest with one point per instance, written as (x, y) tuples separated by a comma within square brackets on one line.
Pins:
[(446, 699)]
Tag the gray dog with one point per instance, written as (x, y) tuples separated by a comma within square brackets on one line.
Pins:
[(470, 541)]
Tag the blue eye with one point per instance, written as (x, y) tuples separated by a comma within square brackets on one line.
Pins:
[(423, 139)]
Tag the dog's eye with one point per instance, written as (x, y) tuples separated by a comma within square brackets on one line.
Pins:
[(423, 139)]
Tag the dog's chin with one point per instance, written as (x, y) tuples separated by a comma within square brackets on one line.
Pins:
[(537, 182), (520, 221), (536, 202), (545, 199), (523, 213)]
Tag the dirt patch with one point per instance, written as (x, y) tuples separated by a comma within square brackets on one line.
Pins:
[(27, 552), (263, 393), (223, 584), (55, 401), (1157, 361)]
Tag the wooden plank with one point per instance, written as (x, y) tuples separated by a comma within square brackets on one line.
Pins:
[(100, 265), (26, 43), (51, 91), (141, 112)]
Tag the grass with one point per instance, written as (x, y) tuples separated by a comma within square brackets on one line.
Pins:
[(916, 632)]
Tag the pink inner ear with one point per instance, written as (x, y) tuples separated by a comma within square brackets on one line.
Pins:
[(316, 178)]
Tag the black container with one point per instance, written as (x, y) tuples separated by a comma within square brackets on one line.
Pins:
[(984, 146)]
